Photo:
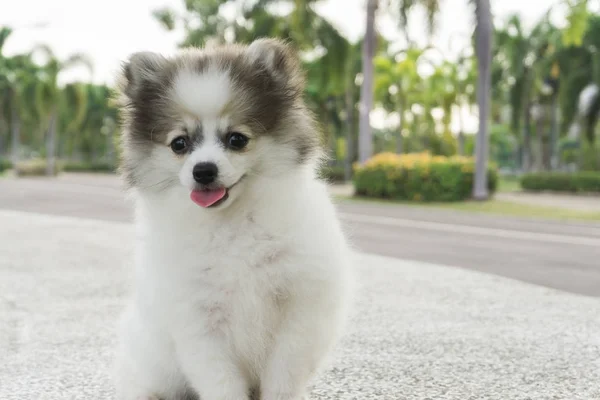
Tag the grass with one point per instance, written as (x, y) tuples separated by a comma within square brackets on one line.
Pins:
[(509, 184), (523, 210), (495, 207)]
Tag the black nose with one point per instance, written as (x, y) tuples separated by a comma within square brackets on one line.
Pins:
[(205, 173)]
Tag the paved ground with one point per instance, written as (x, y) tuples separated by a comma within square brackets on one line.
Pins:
[(419, 331), (554, 254)]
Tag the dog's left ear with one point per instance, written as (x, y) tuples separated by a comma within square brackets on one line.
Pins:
[(278, 57)]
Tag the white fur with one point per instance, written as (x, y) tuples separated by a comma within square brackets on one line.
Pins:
[(211, 150), (202, 95), (251, 294)]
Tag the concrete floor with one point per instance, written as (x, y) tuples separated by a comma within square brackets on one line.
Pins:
[(419, 331)]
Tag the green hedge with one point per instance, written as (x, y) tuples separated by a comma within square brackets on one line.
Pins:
[(333, 174), (419, 177), (89, 167), (562, 182), (5, 164)]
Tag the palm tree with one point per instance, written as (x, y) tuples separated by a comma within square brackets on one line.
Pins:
[(398, 84), (365, 139), (18, 79), (521, 61), (483, 51), (352, 95), (579, 61), (52, 94), (369, 45), (483, 46), (72, 113), (464, 75), (4, 34), (513, 60), (577, 22)]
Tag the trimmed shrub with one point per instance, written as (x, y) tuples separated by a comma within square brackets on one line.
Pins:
[(419, 177), (89, 167), (5, 164), (562, 182), (332, 174), (35, 167)]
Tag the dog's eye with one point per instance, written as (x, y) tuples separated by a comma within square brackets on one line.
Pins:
[(179, 145), (236, 141)]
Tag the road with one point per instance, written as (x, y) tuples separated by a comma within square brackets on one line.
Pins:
[(558, 255)]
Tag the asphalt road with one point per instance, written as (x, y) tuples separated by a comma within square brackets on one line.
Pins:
[(558, 255)]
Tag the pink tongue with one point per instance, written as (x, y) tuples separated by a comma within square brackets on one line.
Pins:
[(207, 198)]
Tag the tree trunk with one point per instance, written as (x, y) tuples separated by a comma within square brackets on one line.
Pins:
[(110, 147), (15, 132), (349, 133), (554, 157), (366, 91), (580, 149), (399, 137), (3, 132), (2, 136), (526, 161), (484, 59), (327, 134), (539, 141), (461, 133), (94, 155), (51, 146)]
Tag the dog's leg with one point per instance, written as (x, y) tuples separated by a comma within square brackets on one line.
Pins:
[(308, 331), (209, 368), (146, 365)]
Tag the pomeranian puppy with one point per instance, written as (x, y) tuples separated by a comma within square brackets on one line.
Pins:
[(243, 273)]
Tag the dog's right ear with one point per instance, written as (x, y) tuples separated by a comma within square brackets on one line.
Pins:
[(142, 68)]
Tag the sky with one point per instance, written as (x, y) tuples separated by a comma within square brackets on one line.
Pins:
[(108, 31)]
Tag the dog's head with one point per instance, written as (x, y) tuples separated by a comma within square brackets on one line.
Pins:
[(210, 121)]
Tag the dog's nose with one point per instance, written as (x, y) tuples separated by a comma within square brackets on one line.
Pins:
[(205, 173)]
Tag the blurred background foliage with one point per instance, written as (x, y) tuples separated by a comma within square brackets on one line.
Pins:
[(544, 92)]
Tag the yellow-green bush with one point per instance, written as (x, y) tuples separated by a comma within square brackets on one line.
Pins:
[(418, 177), (35, 167)]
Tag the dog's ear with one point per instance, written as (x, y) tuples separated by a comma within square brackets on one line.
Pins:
[(279, 58), (142, 68)]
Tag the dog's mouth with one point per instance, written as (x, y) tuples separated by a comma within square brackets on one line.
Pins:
[(209, 197)]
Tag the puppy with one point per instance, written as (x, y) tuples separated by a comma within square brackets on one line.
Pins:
[(243, 272)]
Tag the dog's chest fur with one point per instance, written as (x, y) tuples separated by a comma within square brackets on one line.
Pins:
[(225, 279)]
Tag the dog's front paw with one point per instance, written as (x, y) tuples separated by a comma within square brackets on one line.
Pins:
[(147, 398)]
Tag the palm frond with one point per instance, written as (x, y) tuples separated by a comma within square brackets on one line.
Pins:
[(5, 32)]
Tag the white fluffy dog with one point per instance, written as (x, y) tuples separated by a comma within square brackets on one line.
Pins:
[(242, 269)]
